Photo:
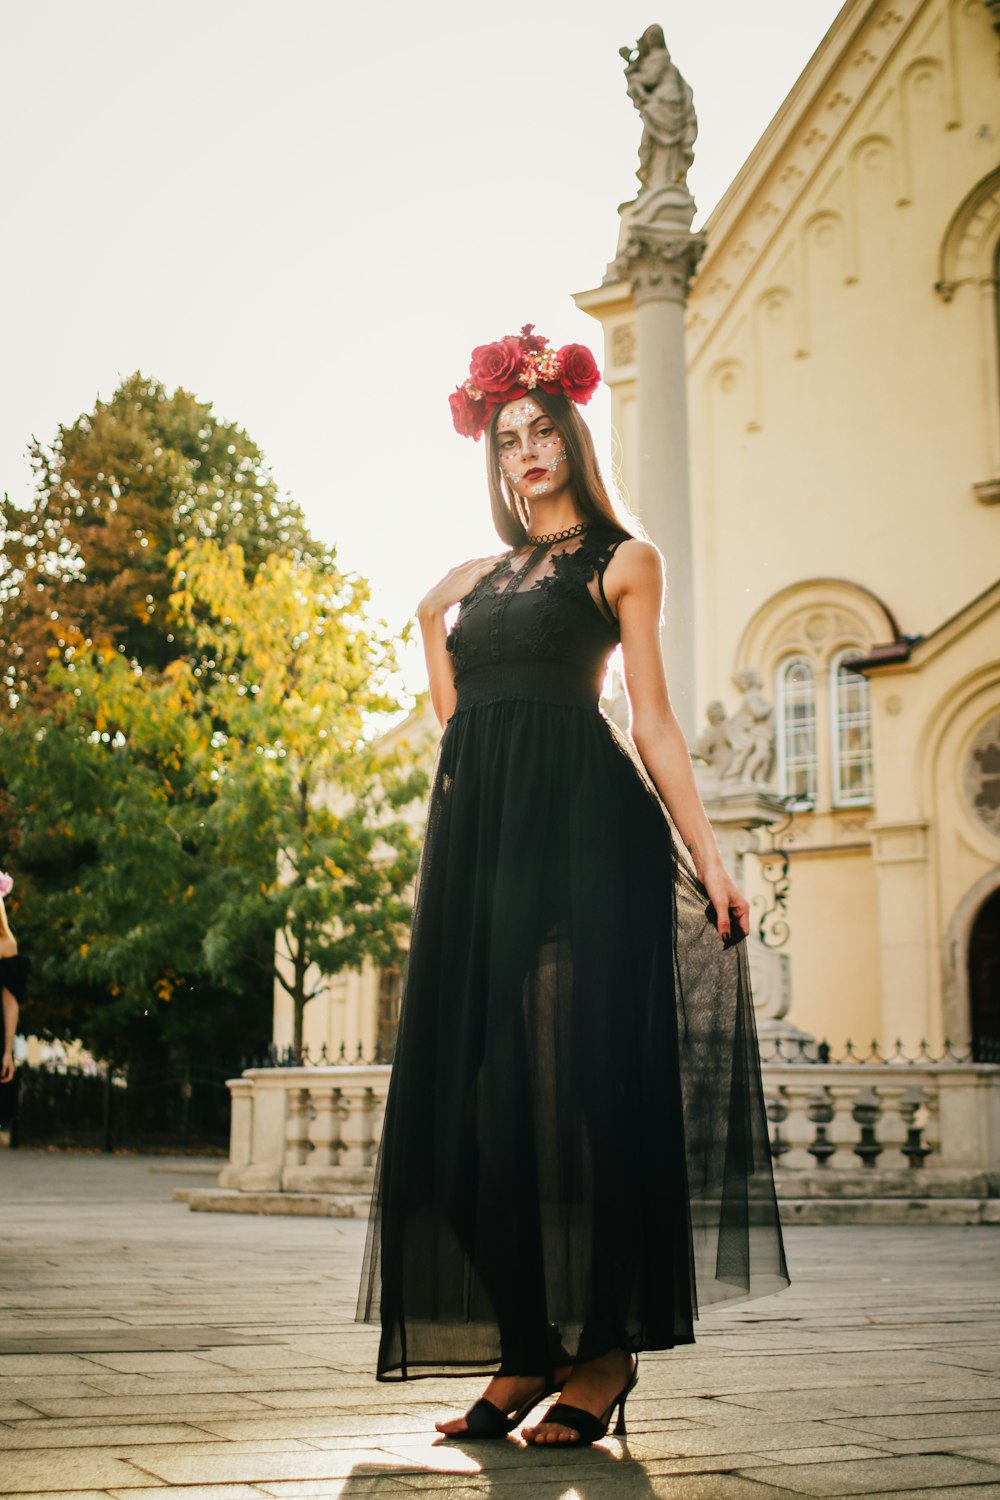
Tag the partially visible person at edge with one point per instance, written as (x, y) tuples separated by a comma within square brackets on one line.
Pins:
[(11, 982), (575, 1126)]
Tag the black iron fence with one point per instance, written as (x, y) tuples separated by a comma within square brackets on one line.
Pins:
[(183, 1108), (773, 1049)]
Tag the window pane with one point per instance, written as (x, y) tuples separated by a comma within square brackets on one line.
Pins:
[(852, 737), (797, 730)]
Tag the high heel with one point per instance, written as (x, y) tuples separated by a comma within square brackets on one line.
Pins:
[(484, 1420), (589, 1429)]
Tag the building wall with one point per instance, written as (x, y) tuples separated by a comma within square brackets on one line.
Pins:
[(845, 449), (839, 406)]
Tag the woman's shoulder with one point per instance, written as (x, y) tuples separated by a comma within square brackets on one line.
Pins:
[(636, 554)]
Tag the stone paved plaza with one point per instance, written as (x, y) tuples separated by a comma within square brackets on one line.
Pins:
[(146, 1350)]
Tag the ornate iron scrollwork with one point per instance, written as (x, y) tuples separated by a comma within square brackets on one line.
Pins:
[(775, 862)]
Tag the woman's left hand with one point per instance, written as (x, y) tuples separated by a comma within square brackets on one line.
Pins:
[(732, 909), (7, 1068)]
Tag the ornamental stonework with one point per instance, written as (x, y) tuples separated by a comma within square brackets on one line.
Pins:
[(981, 775), (623, 347)]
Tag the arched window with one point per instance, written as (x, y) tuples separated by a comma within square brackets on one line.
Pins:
[(796, 705), (850, 733)]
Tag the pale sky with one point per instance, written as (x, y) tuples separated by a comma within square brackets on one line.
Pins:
[(308, 213)]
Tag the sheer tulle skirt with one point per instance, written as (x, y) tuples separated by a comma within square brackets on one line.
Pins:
[(575, 1153)]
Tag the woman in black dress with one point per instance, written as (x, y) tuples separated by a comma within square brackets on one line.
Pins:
[(574, 1145)]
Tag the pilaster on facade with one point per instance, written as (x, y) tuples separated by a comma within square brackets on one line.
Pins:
[(902, 841)]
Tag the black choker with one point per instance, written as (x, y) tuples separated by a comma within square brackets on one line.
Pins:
[(558, 536)]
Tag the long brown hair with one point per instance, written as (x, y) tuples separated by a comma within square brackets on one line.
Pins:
[(510, 514)]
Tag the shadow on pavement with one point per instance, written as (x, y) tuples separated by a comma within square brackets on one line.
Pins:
[(500, 1469)]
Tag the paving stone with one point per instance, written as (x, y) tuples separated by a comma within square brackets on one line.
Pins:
[(357, 1487), (953, 1492), (54, 1435), (68, 1470), (210, 1356), (871, 1476), (181, 1468), (153, 1362), (715, 1487), (215, 1403), (834, 1454), (188, 1492), (743, 1437), (13, 1411), (268, 1358), (64, 1494), (932, 1424), (356, 1424)]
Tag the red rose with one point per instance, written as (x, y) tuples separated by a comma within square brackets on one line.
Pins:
[(469, 416), (494, 367), (580, 375)]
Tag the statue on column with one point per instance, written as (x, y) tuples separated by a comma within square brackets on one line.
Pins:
[(656, 249), (665, 103)]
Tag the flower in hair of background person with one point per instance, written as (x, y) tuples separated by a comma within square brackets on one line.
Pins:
[(517, 363), (6, 883)]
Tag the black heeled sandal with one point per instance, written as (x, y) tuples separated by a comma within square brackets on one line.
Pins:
[(484, 1420), (589, 1429)]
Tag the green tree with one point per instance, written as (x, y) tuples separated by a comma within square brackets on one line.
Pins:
[(117, 491), (112, 788), (302, 676), (173, 822)]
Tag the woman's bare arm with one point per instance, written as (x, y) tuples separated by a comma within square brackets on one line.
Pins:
[(430, 616), (634, 586)]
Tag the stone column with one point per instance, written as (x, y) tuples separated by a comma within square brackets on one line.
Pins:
[(658, 262)]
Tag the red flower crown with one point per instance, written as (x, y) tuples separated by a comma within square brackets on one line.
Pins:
[(513, 365)]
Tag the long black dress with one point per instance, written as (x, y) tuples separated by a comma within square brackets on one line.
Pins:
[(574, 1139)]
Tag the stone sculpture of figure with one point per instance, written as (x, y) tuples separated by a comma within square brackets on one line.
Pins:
[(751, 732), (740, 748), (666, 106), (713, 745)]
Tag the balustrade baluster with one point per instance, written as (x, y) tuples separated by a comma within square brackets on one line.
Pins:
[(913, 1109), (355, 1124), (867, 1111), (821, 1110), (297, 1127), (777, 1113), (324, 1131)]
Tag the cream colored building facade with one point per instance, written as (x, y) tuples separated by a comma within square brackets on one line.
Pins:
[(845, 447), (845, 450)]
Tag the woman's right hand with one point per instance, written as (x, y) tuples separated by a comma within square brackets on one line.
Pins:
[(455, 584), (7, 1067)]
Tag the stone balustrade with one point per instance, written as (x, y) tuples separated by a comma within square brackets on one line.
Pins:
[(305, 1129), (837, 1129)]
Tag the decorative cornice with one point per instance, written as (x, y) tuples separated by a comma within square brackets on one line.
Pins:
[(658, 269), (793, 150)]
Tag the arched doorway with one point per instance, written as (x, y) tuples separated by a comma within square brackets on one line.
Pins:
[(984, 980)]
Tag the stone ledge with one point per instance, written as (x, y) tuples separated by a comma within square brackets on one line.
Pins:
[(818, 1211), (882, 1182), (312, 1205), (814, 1211)]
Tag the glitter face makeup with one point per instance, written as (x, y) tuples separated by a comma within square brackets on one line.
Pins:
[(529, 441), (518, 416)]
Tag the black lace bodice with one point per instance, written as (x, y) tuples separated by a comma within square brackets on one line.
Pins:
[(538, 624)]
